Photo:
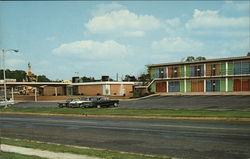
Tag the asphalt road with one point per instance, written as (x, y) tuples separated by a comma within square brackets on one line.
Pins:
[(172, 102), (191, 139)]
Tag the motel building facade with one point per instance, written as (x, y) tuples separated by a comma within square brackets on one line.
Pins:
[(222, 75)]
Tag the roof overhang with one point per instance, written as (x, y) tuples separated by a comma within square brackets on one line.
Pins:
[(104, 83), (203, 61)]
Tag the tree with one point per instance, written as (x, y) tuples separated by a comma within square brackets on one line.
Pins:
[(200, 58), (19, 75), (190, 59), (144, 78), (87, 79), (130, 78), (248, 54), (43, 78)]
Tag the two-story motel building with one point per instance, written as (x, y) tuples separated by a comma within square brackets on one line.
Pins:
[(212, 75)]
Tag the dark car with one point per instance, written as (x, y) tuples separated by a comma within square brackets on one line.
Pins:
[(98, 102)]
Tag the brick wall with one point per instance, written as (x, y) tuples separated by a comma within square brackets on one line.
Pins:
[(50, 91), (90, 90), (93, 90)]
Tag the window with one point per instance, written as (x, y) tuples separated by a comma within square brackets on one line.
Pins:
[(197, 70)]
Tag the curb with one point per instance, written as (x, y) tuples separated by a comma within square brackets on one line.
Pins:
[(90, 148), (132, 117)]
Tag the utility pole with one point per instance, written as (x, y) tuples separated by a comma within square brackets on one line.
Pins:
[(4, 76)]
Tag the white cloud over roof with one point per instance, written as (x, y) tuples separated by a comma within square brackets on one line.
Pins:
[(92, 49), (121, 22), (212, 19)]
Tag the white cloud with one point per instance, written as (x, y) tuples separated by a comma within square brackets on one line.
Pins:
[(174, 22), (211, 19), (174, 27), (121, 22), (92, 49), (133, 33), (104, 8), (239, 6), (177, 45)]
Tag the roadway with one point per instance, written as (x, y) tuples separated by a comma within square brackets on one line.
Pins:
[(191, 139), (211, 102)]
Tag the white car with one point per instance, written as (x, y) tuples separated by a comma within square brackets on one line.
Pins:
[(8, 102)]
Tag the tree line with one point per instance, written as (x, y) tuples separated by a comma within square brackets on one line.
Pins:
[(20, 76)]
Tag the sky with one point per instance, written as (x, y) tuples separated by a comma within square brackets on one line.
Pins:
[(62, 39)]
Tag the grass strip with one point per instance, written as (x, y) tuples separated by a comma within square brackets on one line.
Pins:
[(10, 155), (135, 112), (107, 154)]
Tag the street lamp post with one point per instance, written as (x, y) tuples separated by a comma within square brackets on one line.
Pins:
[(4, 78)]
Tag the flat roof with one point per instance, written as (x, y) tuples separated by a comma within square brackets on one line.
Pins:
[(102, 83), (36, 83), (203, 61)]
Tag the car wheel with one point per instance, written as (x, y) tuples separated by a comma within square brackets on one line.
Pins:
[(98, 106), (115, 104)]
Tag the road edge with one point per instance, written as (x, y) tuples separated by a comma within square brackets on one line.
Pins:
[(131, 117)]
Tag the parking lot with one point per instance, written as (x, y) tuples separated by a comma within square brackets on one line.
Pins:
[(229, 102)]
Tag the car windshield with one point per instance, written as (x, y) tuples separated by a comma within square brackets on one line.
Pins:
[(69, 100), (104, 98), (93, 99), (84, 99)]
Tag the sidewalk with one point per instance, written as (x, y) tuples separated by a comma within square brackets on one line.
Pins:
[(43, 153)]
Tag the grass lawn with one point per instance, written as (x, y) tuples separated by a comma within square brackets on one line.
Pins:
[(134, 112), (9, 155), (108, 154)]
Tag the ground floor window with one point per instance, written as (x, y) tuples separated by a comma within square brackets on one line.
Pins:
[(161, 87), (174, 86), (212, 85)]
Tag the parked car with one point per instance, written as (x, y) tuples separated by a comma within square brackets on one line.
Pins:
[(9, 102), (73, 102), (86, 102), (89, 102), (65, 103), (98, 102)]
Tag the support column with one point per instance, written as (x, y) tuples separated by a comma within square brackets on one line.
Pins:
[(205, 85), (55, 91), (12, 93), (166, 72), (167, 86), (185, 71), (226, 68), (35, 95), (226, 84), (185, 76), (205, 70), (226, 77), (185, 85)]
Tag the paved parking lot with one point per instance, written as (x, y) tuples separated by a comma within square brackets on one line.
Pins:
[(172, 102), (191, 102)]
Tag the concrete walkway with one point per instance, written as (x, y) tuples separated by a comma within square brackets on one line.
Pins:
[(43, 153)]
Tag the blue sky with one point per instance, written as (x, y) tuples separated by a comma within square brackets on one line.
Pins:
[(98, 38)]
